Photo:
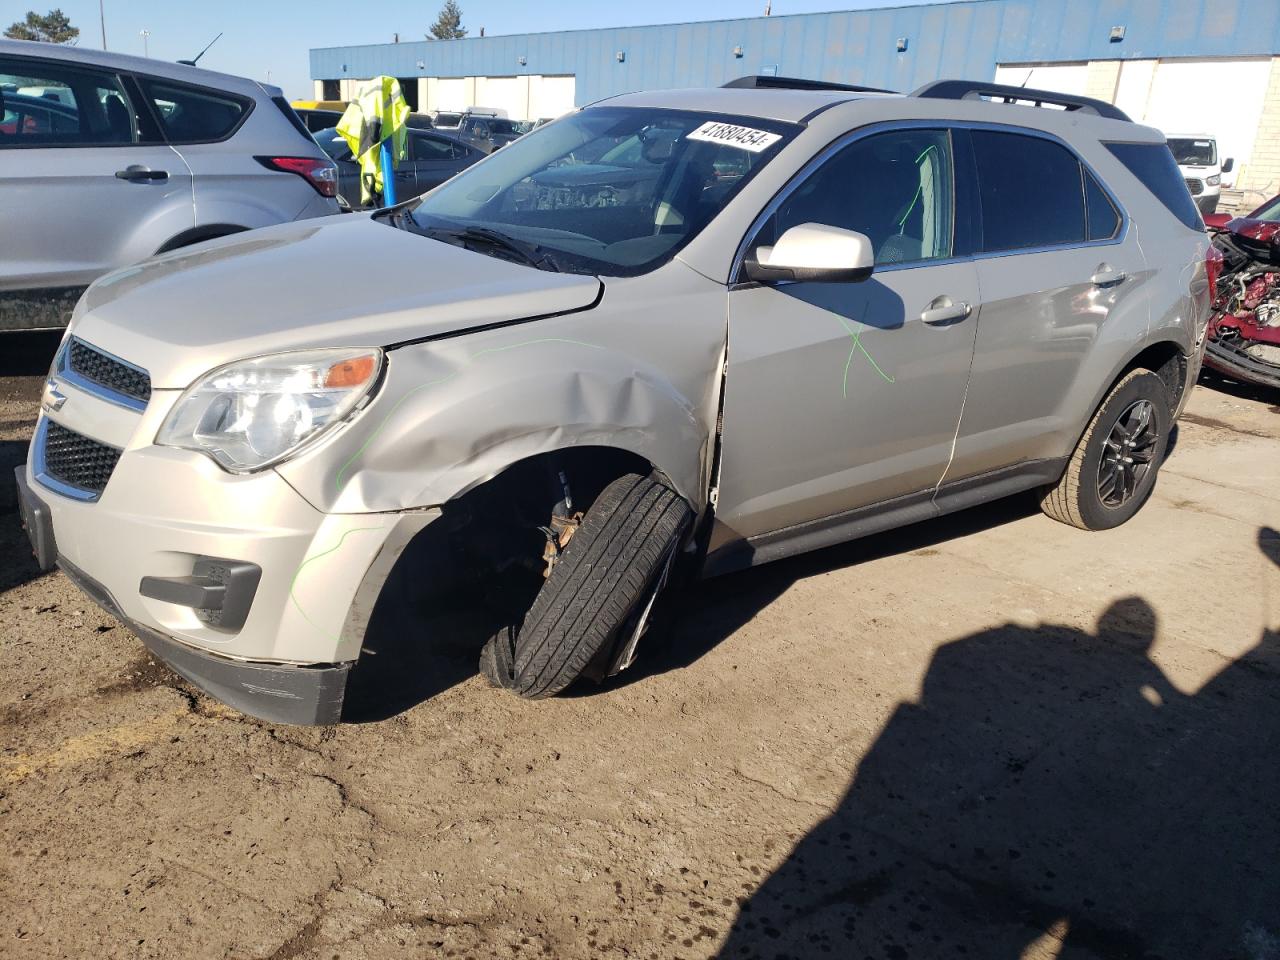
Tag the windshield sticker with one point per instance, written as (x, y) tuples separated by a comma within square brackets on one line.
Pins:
[(731, 135)]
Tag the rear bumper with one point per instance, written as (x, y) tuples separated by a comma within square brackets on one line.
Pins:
[(278, 693)]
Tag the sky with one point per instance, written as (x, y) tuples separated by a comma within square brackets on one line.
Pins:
[(269, 39)]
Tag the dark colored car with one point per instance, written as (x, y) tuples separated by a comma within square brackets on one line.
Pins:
[(29, 116), (433, 158), (316, 120), (489, 133)]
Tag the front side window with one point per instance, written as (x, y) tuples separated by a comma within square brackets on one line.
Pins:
[(1030, 192), (57, 105), (608, 190), (897, 188), (193, 115)]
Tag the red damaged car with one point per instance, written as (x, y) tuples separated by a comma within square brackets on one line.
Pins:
[(1244, 328)]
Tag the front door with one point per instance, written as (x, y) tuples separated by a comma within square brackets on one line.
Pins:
[(841, 395)]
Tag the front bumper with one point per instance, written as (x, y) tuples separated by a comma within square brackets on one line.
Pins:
[(288, 658), (281, 693)]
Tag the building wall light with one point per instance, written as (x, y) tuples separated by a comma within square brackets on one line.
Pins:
[(737, 51), (621, 56), (1117, 33), (902, 44)]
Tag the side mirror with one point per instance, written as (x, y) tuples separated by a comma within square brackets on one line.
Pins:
[(1228, 164), (815, 252)]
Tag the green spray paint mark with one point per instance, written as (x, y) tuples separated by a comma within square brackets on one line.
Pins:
[(338, 480), (857, 347), (309, 560)]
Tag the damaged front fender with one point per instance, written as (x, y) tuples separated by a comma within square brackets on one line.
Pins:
[(638, 373)]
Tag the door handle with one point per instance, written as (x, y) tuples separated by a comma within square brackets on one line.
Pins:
[(945, 312), (136, 172), (1107, 275)]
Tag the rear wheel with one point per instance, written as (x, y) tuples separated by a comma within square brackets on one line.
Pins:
[(607, 571), (1113, 470)]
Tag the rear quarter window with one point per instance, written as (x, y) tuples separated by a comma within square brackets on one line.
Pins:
[(1031, 192), (194, 114), (1153, 164)]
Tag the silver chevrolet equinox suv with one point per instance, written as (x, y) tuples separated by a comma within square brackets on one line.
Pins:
[(674, 332), (107, 159)]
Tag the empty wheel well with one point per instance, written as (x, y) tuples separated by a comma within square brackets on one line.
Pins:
[(1167, 361), (486, 552), (197, 234)]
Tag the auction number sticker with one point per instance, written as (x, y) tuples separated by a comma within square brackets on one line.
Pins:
[(731, 135)]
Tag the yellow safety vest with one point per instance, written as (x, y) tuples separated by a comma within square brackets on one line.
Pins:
[(377, 112)]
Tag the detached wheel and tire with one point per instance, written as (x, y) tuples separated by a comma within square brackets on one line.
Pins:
[(606, 572), (1113, 470)]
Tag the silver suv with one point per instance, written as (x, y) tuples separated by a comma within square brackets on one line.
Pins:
[(771, 320), (107, 159)]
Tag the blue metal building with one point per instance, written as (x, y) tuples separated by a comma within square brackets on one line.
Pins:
[(960, 39)]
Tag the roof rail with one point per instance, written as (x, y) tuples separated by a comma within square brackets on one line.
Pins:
[(797, 83), (976, 90)]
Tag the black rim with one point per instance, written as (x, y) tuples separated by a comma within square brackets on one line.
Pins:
[(1128, 455)]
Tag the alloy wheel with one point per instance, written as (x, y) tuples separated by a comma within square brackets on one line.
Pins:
[(1128, 454)]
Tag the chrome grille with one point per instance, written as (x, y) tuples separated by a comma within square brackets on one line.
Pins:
[(1195, 186), (76, 460), (107, 371)]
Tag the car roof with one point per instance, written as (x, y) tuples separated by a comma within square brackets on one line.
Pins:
[(790, 106), (124, 62)]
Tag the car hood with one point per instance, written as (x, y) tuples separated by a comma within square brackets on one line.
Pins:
[(345, 280)]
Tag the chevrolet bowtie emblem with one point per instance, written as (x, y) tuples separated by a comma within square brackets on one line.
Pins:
[(52, 399)]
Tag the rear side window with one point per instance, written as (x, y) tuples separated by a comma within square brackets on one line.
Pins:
[(192, 114), (1104, 221), (431, 148), (62, 105), (1153, 164), (1030, 192)]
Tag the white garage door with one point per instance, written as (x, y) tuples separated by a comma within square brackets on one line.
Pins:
[(503, 93), (1222, 98), (450, 94), (550, 97)]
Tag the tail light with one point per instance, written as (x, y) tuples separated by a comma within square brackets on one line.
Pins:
[(1213, 268), (321, 174)]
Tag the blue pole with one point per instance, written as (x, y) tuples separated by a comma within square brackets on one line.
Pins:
[(388, 175)]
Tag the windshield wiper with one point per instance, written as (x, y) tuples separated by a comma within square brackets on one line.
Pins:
[(530, 254)]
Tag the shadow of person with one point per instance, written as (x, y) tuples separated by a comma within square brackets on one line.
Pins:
[(1049, 794)]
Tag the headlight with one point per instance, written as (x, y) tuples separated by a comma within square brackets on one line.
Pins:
[(1214, 180), (253, 413)]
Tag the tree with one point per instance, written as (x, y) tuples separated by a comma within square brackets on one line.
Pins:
[(448, 25), (54, 27)]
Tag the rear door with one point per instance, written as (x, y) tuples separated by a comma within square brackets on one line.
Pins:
[(1059, 270), (842, 395), (220, 135), (434, 160), (85, 184)]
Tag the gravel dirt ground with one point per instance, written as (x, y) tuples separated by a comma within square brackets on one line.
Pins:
[(985, 736)]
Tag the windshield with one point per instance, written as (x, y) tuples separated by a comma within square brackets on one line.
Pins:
[(613, 191), (1196, 153)]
